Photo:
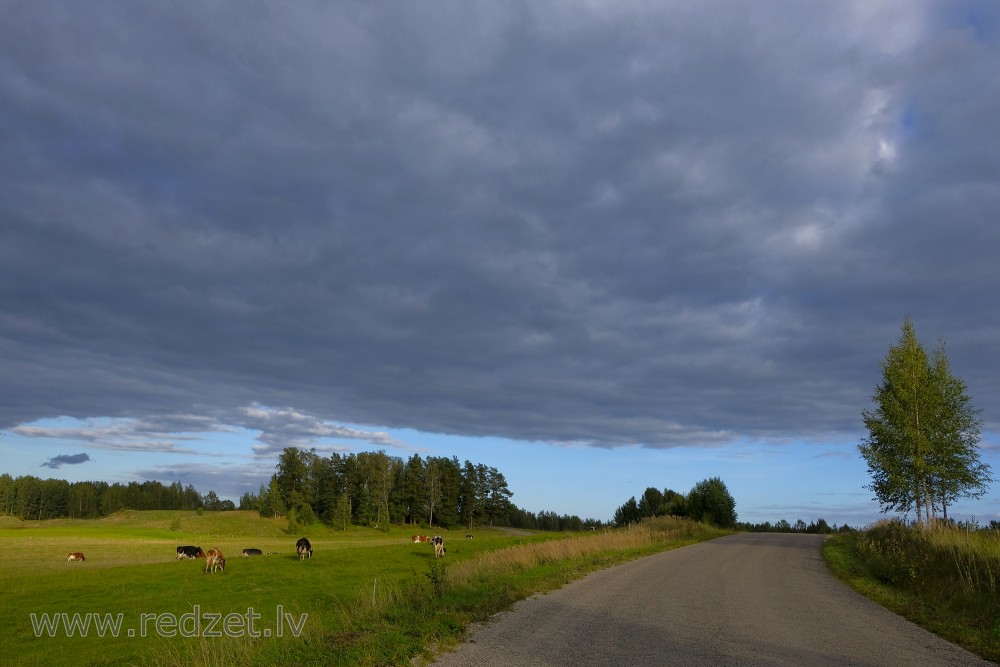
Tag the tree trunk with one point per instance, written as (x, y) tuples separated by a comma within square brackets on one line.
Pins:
[(928, 505)]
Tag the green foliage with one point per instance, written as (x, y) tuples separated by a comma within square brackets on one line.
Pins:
[(708, 501), (436, 574), (947, 557), (674, 503), (628, 513), (893, 554), (921, 450), (711, 501), (651, 503), (341, 518), (819, 526), (549, 521), (31, 498)]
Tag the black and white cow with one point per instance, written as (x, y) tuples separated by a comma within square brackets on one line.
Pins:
[(252, 552), (189, 552), (303, 548), (439, 550)]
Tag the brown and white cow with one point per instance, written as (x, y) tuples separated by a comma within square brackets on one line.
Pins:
[(439, 550), (420, 538), (75, 555), (214, 561)]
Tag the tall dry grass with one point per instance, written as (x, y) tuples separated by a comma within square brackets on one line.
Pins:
[(975, 554), (946, 557), (511, 560)]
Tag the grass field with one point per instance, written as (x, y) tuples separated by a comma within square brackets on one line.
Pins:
[(366, 597)]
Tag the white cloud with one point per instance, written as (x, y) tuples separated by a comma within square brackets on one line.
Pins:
[(287, 427)]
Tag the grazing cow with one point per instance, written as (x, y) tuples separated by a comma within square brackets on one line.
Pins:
[(439, 550), (215, 561), (75, 555), (468, 536), (420, 538), (252, 552), (303, 548), (189, 552)]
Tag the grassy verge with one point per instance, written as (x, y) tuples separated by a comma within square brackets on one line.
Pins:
[(407, 622), (946, 580), (474, 590)]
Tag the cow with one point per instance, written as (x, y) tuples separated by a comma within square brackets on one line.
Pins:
[(215, 561), (469, 536), (420, 538), (189, 552), (303, 548), (75, 555), (439, 549), (252, 552)]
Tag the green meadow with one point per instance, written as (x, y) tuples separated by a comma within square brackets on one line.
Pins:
[(366, 597)]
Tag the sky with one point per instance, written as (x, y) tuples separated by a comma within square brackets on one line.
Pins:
[(599, 246)]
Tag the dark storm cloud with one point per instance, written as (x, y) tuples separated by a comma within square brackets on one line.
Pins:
[(617, 223), (66, 459)]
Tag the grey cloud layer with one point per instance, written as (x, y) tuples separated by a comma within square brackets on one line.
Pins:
[(665, 224)]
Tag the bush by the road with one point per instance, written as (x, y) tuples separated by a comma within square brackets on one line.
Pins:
[(946, 578)]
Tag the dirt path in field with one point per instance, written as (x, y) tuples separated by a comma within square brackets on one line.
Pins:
[(748, 599)]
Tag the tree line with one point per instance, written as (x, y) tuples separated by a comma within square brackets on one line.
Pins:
[(819, 526), (709, 500), (31, 498), (366, 489), (375, 489)]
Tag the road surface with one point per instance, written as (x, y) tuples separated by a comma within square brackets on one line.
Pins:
[(747, 599)]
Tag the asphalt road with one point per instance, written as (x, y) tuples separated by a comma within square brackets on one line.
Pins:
[(748, 599)]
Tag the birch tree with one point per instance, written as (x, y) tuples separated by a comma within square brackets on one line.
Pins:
[(922, 447)]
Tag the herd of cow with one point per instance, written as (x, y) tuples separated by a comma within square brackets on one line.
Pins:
[(216, 562)]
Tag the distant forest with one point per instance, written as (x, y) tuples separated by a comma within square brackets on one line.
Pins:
[(365, 489), (708, 501), (711, 502)]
